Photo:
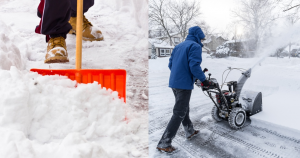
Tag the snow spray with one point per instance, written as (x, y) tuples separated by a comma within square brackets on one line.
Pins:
[(282, 38)]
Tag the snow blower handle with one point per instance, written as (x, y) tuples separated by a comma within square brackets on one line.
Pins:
[(197, 81), (209, 76)]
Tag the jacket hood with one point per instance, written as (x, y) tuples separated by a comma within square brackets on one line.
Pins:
[(195, 34)]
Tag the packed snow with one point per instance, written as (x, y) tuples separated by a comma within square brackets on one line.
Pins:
[(52, 116), (277, 79)]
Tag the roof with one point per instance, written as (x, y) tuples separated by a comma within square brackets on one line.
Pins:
[(209, 38), (171, 34), (162, 45), (159, 43), (234, 41)]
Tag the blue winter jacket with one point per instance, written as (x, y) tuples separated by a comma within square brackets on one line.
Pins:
[(185, 61)]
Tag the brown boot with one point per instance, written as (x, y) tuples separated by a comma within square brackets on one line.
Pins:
[(194, 134), (56, 51), (89, 33), (167, 149)]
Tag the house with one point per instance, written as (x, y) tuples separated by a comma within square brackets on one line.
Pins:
[(163, 48), (236, 48), (159, 48), (175, 37), (162, 45), (212, 42), (294, 50)]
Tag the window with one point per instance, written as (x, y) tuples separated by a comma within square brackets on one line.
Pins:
[(176, 40), (162, 52), (165, 52)]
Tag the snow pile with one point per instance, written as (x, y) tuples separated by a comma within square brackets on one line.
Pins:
[(48, 116), (9, 53)]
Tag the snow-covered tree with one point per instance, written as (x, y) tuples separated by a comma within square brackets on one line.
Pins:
[(173, 15), (207, 30), (153, 52), (256, 16), (291, 14), (182, 14)]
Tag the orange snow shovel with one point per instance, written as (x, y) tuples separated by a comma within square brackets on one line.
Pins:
[(110, 79)]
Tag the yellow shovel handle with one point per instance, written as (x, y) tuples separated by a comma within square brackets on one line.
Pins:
[(79, 21)]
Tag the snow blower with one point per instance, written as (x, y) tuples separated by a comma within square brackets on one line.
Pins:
[(232, 105), (110, 79)]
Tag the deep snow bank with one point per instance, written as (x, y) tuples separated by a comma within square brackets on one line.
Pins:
[(9, 53), (48, 116)]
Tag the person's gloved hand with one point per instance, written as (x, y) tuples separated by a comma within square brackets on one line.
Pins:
[(198, 83), (205, 83)]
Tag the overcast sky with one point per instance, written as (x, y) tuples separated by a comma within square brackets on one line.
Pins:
[(218, 13)]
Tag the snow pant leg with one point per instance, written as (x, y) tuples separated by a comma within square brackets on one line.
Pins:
[(187, 124), (55, 16), (87, 4), (179, 112)]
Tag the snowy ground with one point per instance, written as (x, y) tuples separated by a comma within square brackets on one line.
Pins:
[(275, 132), (48, 116)]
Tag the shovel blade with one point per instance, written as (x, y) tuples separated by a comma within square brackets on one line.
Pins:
[(114, 79)]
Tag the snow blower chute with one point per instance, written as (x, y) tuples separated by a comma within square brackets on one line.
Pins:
[(232, 105), (112, 79)]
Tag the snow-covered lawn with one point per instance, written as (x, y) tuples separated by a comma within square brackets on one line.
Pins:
[(48, 116)]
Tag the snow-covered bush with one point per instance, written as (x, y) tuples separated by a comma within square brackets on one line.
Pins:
[(222, 51), (153, 52), (153, 56)]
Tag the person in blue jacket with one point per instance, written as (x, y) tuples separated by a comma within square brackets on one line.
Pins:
[(184, 64)]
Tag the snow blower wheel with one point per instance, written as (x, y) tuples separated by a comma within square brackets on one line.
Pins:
[(230, 104), (215, 114), (237, 118)]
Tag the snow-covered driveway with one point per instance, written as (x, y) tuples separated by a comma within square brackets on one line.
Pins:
[(257, 139)]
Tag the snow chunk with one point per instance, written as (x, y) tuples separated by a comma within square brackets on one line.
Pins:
[(145, 96), (9, 53)]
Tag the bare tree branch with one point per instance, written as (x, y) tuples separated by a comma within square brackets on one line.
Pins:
[(291, 8), (256, 16), (174, 15)]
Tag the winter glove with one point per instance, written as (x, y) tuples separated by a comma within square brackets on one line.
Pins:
[(205, 83), (199, 83)]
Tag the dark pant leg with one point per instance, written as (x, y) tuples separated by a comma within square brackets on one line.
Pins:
[(179, 112), (187, 124), (55, 16), (87, 4)]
